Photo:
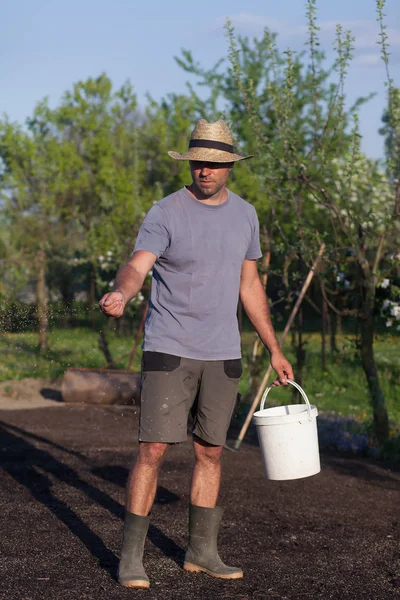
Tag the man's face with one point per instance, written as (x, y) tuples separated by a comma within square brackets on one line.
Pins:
[(208, 177)]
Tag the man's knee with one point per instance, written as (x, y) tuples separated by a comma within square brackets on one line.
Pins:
[(152, 453), (207, 453)]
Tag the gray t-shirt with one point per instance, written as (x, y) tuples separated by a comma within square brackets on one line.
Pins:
[(200, 249)]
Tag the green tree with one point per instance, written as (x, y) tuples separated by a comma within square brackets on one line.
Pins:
[(82, 175), (327, 188), (103, 129), (390, 133), (280, 109), (33, 183), (168, 126)]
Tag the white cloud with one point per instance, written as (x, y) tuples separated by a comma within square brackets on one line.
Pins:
[(368, 60)]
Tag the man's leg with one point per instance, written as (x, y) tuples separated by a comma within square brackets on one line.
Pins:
[(140, 493), (169, 385), (142, 483), (206, 474), (204, 516), (216, 402)]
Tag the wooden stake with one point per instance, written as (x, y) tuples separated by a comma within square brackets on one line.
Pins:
[(282, 339)]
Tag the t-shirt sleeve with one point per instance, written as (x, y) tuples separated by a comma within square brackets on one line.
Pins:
[(254, 250), (154, 235)]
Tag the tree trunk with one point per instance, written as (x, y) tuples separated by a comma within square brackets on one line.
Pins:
[(323, 332), (332, 332), (67, 295), (381, 421), (103, 346), (92, 295), (42, 301), (339, 329)]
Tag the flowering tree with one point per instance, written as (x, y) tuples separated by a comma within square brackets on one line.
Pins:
[(310, 178), (391, 306), (359, 202), (280, 110)]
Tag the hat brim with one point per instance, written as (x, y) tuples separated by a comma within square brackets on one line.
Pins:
[(208, 155)]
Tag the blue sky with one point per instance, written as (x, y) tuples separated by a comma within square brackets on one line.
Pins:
[(47, 45)]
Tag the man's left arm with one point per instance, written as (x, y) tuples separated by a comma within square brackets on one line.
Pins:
[(254, 300)]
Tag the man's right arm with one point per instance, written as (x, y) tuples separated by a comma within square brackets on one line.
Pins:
[(128, 283)]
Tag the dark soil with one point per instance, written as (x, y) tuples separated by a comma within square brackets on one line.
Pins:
[(331, 536)]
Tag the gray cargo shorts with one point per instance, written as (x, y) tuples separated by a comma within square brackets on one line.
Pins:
[(173, 386)]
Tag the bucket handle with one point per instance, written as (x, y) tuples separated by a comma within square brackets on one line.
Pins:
[(296, 385)]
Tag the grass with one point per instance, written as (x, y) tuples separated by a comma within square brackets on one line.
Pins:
[(339, 390), (340, 387), (67, 348)]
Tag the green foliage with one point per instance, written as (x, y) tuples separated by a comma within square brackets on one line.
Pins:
[(291, 116), (390, 118), (103, 128), (168, 127), (76, 181), (69, 348), (341, 387), (309, 179)]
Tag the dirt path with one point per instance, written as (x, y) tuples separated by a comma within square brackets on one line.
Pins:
[(332, 536), (29, 393)]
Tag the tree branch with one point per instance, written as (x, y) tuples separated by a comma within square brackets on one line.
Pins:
[(347, 312)]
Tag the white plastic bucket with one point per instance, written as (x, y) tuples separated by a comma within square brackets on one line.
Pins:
[(288, 438)]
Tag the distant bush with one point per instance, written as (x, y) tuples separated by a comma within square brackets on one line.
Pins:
[(17, 316)]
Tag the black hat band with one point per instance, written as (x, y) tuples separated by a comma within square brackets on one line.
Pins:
[(211, 144)]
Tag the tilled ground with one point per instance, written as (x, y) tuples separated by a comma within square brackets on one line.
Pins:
[(331, 536)]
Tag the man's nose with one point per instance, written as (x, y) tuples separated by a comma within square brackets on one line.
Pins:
[(205, 171)]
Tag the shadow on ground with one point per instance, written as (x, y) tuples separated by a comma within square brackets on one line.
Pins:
[(63, 472), (34, 468)]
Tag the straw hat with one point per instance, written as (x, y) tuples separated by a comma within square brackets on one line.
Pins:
[(210, 142)]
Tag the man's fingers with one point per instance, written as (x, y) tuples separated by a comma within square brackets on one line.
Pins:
[(103, 300), (115, 312), (112, 305), (282, 378), (284, 373), (111, 298), (111, 302), (288, 371)]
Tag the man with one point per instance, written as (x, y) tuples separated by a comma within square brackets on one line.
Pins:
[(202, 243)]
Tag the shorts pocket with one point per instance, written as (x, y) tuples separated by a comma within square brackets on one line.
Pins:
[(159, 361), (233, 368)]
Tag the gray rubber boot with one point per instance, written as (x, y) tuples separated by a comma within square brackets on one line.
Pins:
[(202, 553), (130, 571)]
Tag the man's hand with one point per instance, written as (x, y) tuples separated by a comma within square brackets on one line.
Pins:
[(112, 304), (282, 367)]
